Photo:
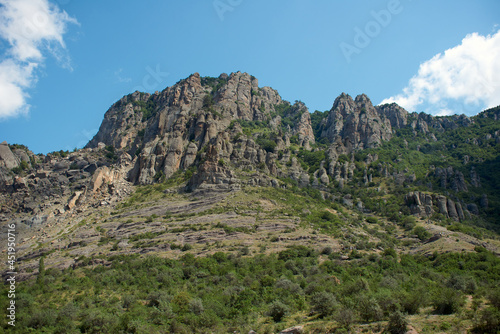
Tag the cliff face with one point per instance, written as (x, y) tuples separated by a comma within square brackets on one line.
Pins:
[(226, 132), (356, 124), (167, 130)]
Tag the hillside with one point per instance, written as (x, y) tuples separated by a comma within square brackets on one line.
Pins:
[(214, 205)]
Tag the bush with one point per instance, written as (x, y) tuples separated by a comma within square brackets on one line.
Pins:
[(412, 301), (461, 283), (296, 252), (447, 301), (397, 323), (369, 309), (128, 301), (323, 303), (68, 312), (345, 317), (488, 322), (196, 306), (40, 319), (156, 298), (277, 310), (97, 322), (327, 250), (494, 298), (408, 223), (421, 233)]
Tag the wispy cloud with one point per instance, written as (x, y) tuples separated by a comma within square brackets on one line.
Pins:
[(463, 76), (31, 28)]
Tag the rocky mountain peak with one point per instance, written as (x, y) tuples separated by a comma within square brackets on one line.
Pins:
[(355, 124), (363, 99), (343, 104)]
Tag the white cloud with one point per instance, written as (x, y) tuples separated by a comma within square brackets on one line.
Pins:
[(31, 28), (444, 112), (466, 74)]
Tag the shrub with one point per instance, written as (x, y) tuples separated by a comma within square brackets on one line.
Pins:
[(421, 233), (97, 322), (397, 323), (156, 298), (266, 143), (327, 251), (412, 301), (462, 283), (488, 322), (323, 303), (408, 223), (345, 317), (447, 301), (369, 309), (390, 252), (128, 301), (42, 318), (296, 252), (196, 306), (277, 310), (494, 298), (69, 311)]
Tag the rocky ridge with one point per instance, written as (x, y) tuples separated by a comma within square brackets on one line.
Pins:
[(226, 133)]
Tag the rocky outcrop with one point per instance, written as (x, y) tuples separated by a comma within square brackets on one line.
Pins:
[(451, 179), (213, 174), (293, 330), (420, 203), (168, 129), (424, 205), (302, 129), (7, 158), (355, 124)]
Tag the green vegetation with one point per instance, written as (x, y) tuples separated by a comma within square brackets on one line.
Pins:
[(267, 141), (23, 166), (111, 153), (147, 108), (311, 160), (214, 83), (223, 292)]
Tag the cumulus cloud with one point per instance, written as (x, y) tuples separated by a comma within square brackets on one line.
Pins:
[(461, 79), (31, 28)]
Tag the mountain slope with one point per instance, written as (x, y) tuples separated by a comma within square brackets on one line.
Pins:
[(215, 165)]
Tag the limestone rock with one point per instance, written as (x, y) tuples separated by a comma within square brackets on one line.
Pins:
[(7, 158), (452, 211), (101, 178), (74, 200), (442, 205), (420, 203), (293, 330)]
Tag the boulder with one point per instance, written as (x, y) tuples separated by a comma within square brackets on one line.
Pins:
[(293, 330), (7, 158)]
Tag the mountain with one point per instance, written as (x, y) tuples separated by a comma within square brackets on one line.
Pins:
[(214, 165)]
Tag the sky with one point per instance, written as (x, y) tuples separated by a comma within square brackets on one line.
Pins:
[(63, 63)]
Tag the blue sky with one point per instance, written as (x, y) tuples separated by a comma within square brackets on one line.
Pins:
[(63, 63)]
